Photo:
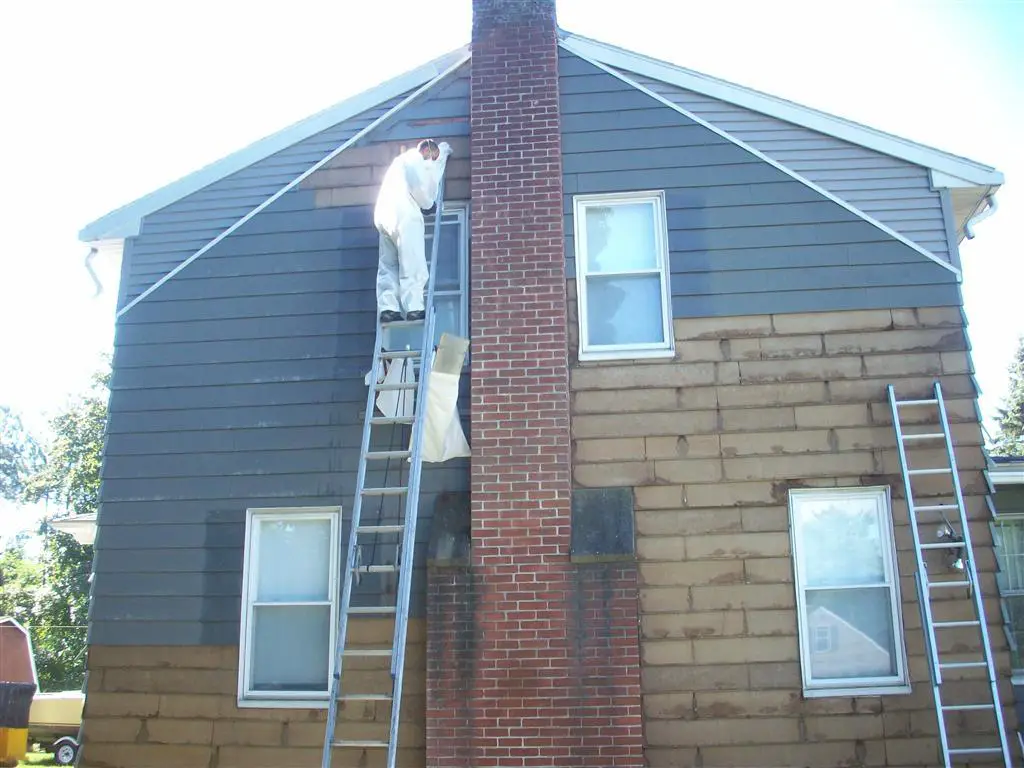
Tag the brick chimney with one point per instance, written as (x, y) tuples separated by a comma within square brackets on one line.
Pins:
[(531, 658)]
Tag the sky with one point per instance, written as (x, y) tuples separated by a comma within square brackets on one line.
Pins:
[(106, 101)]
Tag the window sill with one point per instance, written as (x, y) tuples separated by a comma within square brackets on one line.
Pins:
[(282, 703), (626, 354), (1017, 677), (878, 690)]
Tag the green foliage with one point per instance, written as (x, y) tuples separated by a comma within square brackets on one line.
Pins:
[(20, 579), (1010, 440), (53, 594), (20, 455)]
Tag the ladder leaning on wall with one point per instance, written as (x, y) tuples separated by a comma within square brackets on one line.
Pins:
[(370, 544), (942, 539)]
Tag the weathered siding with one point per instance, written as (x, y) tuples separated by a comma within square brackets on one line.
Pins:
[(240, 384), (711, 443), (893, 191), (744, 236), (171, 706)]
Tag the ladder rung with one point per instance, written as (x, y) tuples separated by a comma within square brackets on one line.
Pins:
[(397, 490), (925, 436), (966, 707), (910, 403), (365, 697), (383, 420), (381, 455), (399, 354), (400, 385), (403, 323), (975, 751), (944, 545), (360, 744), (368, 652), (375, 569), (935, 471), (963, 665), (934, 507), (372, 609), (957, 583), (380, 528), (950, 624)]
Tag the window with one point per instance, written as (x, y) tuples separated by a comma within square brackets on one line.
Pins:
[(1009, 533), (848, 601), (451, 296), (625, 308), (289, 606)]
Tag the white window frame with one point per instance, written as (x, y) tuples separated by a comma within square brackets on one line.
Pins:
[(863, 686), (459, 210), (588, 351), (1017, 673), (250, 571)]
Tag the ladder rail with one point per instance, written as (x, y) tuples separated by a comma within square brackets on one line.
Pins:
[(924, 603), (972, 575)]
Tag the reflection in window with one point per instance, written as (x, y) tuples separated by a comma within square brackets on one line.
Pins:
[(1009, 532)]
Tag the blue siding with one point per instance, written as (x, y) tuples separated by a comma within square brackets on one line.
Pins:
[(893, 191), (744, 237), (240, 384)]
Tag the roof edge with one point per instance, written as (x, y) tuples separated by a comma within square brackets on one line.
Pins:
[(126, 220), (920, 154)]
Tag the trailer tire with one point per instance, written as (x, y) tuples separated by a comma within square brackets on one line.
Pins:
[(65, 751)]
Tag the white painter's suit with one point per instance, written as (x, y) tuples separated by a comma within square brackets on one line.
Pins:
[(409, 187)]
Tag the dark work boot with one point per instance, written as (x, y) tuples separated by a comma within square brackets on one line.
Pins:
[(390, 317), (417, 315)]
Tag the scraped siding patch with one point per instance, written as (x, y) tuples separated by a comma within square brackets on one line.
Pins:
[(893, 191)]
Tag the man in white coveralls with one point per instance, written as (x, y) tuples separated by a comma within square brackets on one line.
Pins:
[(410, 187)]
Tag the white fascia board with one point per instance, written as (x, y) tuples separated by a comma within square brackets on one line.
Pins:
[(976, 174), (573, 48), (126, 220)]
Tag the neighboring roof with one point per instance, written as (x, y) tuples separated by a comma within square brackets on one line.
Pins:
[(125, 221), (953, 165), (81, 527), (947, 169), (1008, 470)]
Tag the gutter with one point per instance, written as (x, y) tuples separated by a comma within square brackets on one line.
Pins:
[(990, 207)]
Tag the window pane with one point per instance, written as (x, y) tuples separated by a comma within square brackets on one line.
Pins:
[(290, 648), (1011, 554), (447, 277), (624, 310), (858, 623), (449, 311), (621, 237), (1015, 613), (294, 560), (840, 541)]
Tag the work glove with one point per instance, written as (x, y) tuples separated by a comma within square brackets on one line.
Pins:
[(445, 148)]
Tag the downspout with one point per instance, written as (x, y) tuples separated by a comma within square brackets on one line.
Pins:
[(990, 208), (88, 268)]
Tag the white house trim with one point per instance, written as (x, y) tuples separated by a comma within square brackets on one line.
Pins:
[(976, 174), (126, 220), (571, 46)]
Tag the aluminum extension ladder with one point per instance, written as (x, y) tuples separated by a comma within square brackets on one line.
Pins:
[(953, 540), (357, 563)]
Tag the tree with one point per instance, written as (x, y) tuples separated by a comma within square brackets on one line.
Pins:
[(70, 479), (19, 455), (1010, 440)]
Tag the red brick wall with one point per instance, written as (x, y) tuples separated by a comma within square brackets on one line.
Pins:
[(532, 660)]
